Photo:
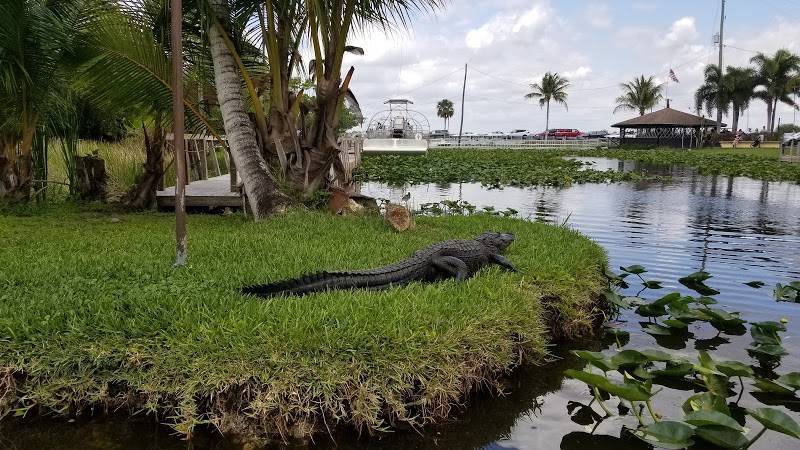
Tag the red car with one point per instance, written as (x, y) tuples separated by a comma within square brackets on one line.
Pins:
[(561, 133)]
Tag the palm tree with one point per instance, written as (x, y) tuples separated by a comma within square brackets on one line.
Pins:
[(36, 41), (640, 95), (776, 76), (713, 93), (444, 109), (740, 83), (552, 88)]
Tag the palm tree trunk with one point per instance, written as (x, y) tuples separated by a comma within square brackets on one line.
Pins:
[(547, 122), (769, 114), (735, 120), (262, 194), (774, 112)]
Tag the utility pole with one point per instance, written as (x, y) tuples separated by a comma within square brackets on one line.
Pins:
[(463, 91), (176, 14), (721, 70)]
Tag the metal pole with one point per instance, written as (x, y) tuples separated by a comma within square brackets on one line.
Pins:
[(177, 132), (463, 91), (721, 70)]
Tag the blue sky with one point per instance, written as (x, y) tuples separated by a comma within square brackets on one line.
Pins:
[(596, 44)]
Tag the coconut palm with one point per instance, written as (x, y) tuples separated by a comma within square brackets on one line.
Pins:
[(281, 139), (740, 85), (776, 75), (552, 88), (36, 42), (445, 110), (713, 93), (640, 95)]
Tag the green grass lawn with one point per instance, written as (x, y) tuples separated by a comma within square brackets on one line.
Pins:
[(517, 167), (92, 314)]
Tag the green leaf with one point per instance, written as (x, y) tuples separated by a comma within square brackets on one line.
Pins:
[(675, 323), (657, 330), (706, 401), (769, 325), (791, 379), (656, 355), (776, 420), (734, 369), (651, 310), (768, 350), (616, 300), (634, 269), (675, 369), (627, 358), (596, 359), (635, 392), (697, 277), (667, 434), (722, 436), (667, 299), (755, 284), (764, 385), (706, 301), (652, 284), (706, 418)]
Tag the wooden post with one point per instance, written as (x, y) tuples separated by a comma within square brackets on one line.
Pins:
[(203, 160), (189, 166), (176, 19), (213, 152), (234, 182)]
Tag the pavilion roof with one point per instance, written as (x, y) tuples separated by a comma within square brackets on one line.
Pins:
[(666, 117)]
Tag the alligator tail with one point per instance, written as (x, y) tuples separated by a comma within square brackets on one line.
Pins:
[(324, 281)]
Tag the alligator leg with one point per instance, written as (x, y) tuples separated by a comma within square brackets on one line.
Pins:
[(503, 262), (452, 266)]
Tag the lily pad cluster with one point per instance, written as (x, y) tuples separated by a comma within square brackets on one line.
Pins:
[(633, 378)]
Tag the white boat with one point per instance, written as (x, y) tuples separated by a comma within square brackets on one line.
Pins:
[(397, 130)]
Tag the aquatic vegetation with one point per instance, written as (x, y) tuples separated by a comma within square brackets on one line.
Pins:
[(708, 417), (495, 168), (514, 167)]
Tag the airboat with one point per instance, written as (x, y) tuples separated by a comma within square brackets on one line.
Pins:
[(397, 130)]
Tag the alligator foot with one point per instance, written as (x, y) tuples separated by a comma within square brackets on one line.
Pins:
[(503, 262), (452, 266)]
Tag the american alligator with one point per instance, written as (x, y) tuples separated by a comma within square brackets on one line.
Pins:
[(457, 258)]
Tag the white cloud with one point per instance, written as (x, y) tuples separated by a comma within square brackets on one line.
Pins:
[(580, 72), (682, 32), (498, 29)]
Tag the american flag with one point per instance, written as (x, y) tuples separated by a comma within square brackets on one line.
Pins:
[(672, 76)]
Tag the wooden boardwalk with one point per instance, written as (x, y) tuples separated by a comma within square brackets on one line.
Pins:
[(213, 192)]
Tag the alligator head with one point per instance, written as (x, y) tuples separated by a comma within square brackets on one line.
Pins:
[(495, 240)]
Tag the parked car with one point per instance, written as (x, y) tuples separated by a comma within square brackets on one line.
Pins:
[(496, 135), (561, 133), (595, 134), (439, 134), (519, 134)]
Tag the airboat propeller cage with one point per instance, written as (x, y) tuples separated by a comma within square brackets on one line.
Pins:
[(397, 130)]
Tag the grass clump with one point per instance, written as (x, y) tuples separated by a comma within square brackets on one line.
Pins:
[(514, 167), (93, 315)]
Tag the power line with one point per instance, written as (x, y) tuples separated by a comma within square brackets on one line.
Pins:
[(459, 69)]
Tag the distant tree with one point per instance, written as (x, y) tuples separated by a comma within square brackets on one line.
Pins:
[(779, 78), (640, 95), (787, 128), (445, 110), (552, 88), (713, 94), (740, 84)]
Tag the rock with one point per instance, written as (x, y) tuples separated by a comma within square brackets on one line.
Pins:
[(343, 202), (353, 207), (398, 217), (115, 220), (370, 203)]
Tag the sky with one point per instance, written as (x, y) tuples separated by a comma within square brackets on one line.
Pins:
[(595, 44)]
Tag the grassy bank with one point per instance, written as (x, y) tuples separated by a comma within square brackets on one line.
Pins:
[(506, 167), (93, 314)]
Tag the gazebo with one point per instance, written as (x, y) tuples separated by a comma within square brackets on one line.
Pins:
[(667, 127)]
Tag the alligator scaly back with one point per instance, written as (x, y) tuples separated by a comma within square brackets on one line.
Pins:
[(458, 258)]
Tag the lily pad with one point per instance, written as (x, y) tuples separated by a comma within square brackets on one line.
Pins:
[(734, 369), (634, 269), (707, 418), (776, 420), (666, 434), (765, 385), (722, 436), (629, 391)]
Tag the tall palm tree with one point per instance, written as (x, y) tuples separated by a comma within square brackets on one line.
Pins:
[(552, 88), (740, 83), (713, 93), (640, 94), (775, 75), (445, 110)]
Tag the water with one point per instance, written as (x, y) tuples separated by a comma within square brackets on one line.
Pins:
[(735, 228)]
